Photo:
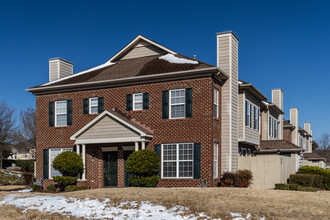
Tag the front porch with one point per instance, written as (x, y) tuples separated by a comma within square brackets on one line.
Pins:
[(105, 144)]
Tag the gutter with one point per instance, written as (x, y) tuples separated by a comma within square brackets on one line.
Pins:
[(269, 151), (215, 71), (264, 98)]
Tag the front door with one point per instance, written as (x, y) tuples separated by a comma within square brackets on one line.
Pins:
[(110, 169), (127, 175)]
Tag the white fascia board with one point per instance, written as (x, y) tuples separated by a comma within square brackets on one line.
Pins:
[(98, 118)]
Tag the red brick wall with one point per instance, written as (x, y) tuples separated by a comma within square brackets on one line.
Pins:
[(201, 128), (287, 135)]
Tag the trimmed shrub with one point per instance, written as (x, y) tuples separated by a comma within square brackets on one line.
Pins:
[(27, 165), (64, 181), (52, 187), (282, 186), (68, 163), (316, 170), (36, 187), (242, 178), (28, 178), (144, 181), (72, 188), (307, 180), (143, 163)]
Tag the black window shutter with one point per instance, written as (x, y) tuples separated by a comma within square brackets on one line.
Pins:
[(100, 104), (85, 106), (157, 149), (69, 112), (197, 160), (45, 164), (165, 104), (250, 116), (51, 114), (74, 149), (145, 101), (246, 110), (189, 102), (129, 102)]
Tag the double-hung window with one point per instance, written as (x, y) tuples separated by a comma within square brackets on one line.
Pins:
[(177, 103), (275, 128), (215, 160), (54, 152), (137, 101), (247, 114), (61, 113), (94, 105), (256, 118), (177, 160), (216, 103)]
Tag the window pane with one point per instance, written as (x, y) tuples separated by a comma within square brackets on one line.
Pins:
[(94, 101), (169, 152), (177, 111), (61, 107), (138, 100), (61, 120), (169, 169), (185, 152), (185, 169)]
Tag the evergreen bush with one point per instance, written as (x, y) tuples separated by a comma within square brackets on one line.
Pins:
[(64, 181), (144, 165), (36, 187), (51, 187), (317, 170), (68, 163), (72, 188)]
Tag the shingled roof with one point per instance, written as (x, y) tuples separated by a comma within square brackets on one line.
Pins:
[(278, 145)]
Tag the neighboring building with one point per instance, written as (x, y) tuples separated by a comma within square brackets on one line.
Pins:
[(314, 159), (22, 154), (145, 96)]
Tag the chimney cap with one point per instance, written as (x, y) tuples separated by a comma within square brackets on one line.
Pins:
[(59, 58), (227, 32), (278, 89)]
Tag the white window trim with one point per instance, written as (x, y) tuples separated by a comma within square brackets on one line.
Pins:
[(170, 104), (216, 159), (60, 114), (248, 114), (134, 109), (177, 162), (90, 105), (50, 164), (216, 99), (256, 113)]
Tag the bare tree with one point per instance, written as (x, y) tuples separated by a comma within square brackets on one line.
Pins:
[(28, 124), (324, 141), (7, 129)]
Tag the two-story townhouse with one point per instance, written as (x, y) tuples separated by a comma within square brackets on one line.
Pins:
[(145, 97)]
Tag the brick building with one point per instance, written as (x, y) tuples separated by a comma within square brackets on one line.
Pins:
[(145, 96)]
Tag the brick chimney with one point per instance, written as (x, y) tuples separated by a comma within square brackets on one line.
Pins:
[(277, 99), (294, 122), (59, 68), (227, 61)]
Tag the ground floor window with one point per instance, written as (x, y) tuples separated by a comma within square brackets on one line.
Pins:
[(177, 160), (54, 152)]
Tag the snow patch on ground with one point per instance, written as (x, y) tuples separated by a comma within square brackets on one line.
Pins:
[(80, 73), (11, 173), (173, 59), (23, 190), (95, 209)]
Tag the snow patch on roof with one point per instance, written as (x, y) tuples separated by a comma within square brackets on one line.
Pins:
[(265, 103), (108, 63), (240, 82), (173, 59)]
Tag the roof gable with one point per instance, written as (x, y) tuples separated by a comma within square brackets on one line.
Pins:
[(140, 47)]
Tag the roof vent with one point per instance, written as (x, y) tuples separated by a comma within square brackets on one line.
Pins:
[(59, 68)]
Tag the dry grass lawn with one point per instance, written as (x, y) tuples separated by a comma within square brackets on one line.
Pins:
[(215, 202)]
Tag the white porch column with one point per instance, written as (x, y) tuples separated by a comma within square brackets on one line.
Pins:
[(84, 161), (143, 145), (136, 146), (78, 149)]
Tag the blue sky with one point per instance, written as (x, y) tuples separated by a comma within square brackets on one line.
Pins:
[(283, 44)]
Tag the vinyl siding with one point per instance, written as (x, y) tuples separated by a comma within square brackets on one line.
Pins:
[(251, 135), (53, 71), (107, 128), (143, 49)]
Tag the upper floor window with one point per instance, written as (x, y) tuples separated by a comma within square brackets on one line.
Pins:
[(93, 105), (177, 103), (256, 118), (61, 113), (216, 103), (138, 101), (273, 127), (247, 114), (301, 141)]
